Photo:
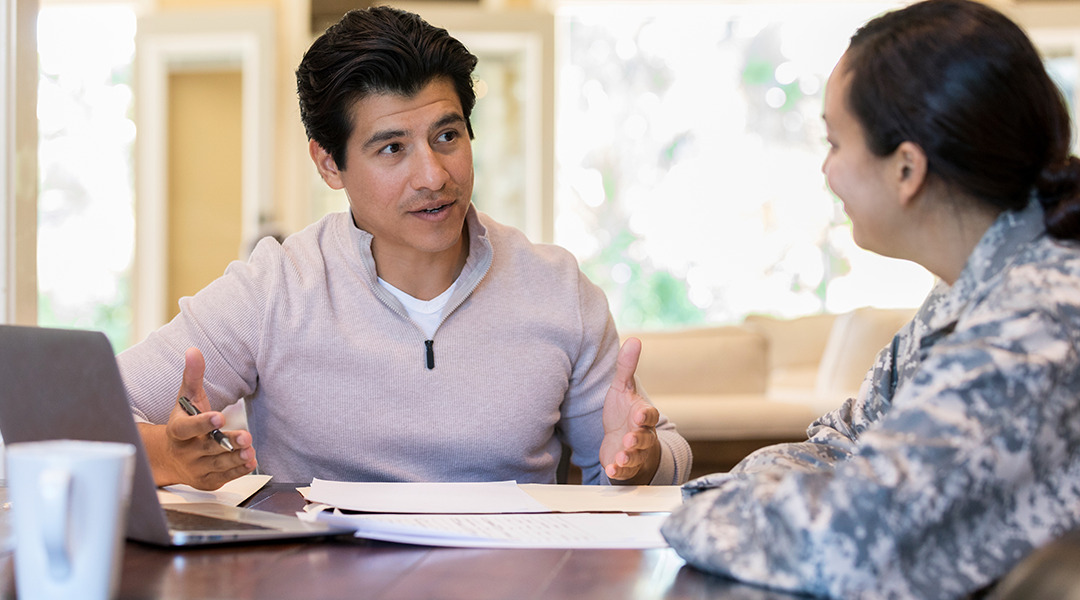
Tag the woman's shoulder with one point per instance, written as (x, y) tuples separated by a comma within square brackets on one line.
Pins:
[(1048, 267), (1044, 279)]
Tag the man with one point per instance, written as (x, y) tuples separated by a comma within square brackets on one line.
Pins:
[(411, 338)]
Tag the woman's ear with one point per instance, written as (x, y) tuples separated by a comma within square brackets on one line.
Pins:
[(910, 170), (326, 165)]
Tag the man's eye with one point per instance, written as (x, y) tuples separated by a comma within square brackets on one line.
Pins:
[(391, 149), (448, 136)]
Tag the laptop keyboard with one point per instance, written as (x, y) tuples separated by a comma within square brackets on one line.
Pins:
[(184, 521)]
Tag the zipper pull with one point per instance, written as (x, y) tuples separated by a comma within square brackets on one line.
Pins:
[(430, 344)]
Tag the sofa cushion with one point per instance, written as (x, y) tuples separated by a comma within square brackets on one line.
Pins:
[(734, 416), (795, 348), (854, 342), (707, 360)]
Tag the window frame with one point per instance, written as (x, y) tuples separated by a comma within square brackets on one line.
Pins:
[(18, 172)]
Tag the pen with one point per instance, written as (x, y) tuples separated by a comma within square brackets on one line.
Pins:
[(219, 437)]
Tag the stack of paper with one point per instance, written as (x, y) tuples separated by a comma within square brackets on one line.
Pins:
[(510, 530), (497, 514), (440, 498)]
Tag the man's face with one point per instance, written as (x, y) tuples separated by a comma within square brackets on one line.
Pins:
[(408, 172)]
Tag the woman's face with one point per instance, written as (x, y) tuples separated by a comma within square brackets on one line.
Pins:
[(853, 173)]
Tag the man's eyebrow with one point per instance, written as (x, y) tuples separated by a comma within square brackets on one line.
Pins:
[(380, 137), (448, 119)]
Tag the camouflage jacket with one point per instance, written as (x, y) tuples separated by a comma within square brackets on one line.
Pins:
[(960, 454)]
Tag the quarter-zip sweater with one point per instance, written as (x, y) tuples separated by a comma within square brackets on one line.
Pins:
[(340, 384)]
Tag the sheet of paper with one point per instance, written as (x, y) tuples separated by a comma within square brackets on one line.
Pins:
[(232, 493), (497, 497), (605, 498), (454, 498), (547, 530)]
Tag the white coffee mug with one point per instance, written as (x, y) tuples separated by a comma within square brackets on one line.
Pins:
[(69, 502)]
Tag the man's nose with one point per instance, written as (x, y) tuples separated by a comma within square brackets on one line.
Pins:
[(429, 171)]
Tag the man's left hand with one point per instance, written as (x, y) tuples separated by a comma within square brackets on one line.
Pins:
[(630, 452)]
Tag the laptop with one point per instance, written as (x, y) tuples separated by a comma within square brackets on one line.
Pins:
[(65, 384)]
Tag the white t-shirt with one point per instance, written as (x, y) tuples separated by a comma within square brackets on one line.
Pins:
[(426, 313)]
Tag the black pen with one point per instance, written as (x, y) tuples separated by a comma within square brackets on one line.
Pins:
[(219, 437)]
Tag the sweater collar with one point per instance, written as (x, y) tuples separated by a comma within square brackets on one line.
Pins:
[(476, 265), (480, 253)]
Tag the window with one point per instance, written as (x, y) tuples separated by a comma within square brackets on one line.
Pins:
[(85, 205), (688, 150)]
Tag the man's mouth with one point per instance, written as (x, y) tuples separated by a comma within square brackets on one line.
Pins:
[(434, 210)]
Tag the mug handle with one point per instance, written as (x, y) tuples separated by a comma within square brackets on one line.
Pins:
[(56, 500)]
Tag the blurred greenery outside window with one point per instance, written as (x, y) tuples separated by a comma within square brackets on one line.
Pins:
[(86, 223), (689, 155)]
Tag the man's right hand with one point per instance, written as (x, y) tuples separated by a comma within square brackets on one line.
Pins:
[(182, 450)]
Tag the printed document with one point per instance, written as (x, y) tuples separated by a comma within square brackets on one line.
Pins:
[(392, 497), (491, 497), (547, 530), (500, 514)]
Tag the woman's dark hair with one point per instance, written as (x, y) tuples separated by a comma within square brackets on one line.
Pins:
[(378, 50), (963, 82)]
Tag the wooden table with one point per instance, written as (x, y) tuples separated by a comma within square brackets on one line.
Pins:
[(359, 569)]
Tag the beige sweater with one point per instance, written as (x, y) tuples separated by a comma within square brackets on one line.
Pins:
[(337, 379)]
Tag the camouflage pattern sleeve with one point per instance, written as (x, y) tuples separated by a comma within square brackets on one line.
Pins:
[(958, 457)]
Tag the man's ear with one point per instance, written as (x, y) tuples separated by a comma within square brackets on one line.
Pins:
[(910, 170), (327, 166)]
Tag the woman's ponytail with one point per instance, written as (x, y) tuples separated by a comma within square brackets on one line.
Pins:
[(1058, 190)]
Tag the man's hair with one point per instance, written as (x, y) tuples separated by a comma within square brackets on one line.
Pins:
[(378, 50)]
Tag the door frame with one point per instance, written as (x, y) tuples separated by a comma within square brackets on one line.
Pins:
[(233, 39)]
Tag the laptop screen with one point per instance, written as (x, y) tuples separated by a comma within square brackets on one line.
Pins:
[(65, 384)]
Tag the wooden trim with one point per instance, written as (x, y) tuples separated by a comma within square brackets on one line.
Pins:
[(18, 171)]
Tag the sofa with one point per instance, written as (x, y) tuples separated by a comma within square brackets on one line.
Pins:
[(733, 389)]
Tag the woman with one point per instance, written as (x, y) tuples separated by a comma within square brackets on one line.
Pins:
[(961, 453)]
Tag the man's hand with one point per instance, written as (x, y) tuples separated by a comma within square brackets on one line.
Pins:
[(182, 451), (630, 452)]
